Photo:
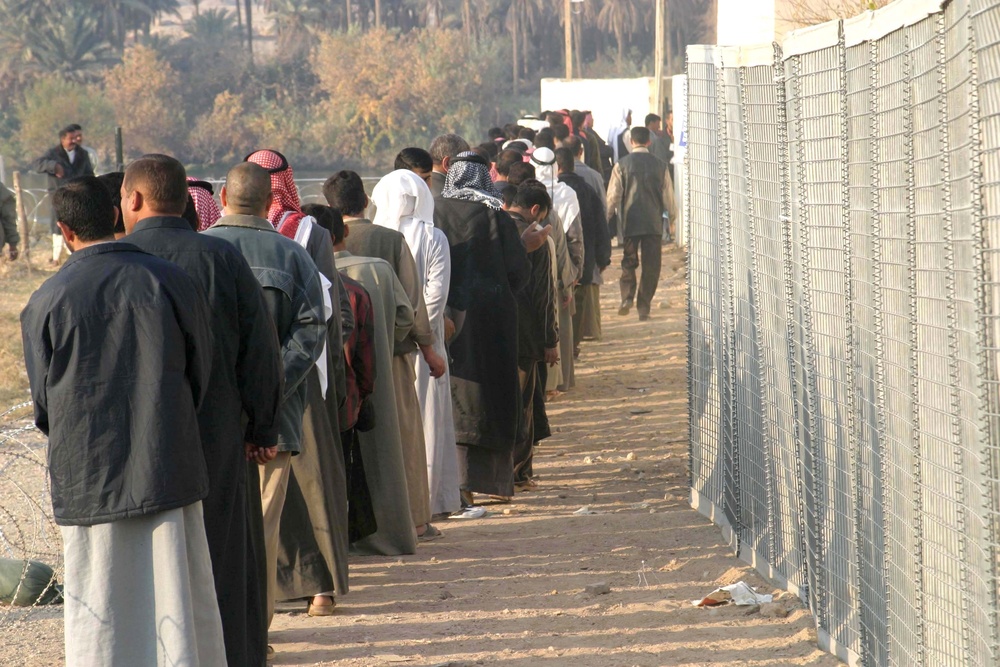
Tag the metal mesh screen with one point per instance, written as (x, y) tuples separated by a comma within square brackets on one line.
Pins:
[(844, 326)]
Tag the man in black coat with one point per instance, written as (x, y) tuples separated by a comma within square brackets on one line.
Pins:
[(596, 238), (246, 384), (64, 163)]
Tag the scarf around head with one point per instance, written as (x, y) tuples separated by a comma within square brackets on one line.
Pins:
[(286, 195), (204, 204), (469, 180), (404, 202)]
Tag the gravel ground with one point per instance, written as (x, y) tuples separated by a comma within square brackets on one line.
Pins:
[(522, 586)]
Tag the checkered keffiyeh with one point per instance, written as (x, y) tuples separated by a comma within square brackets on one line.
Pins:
[(286, 195), (469, 179), (208, 211)]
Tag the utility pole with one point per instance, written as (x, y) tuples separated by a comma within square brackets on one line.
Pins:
[(568, 23), (658, 56)]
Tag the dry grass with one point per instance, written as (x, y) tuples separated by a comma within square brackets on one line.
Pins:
[(17, 282)]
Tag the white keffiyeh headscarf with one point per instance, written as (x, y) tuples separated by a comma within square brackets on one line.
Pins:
[(405, 203)]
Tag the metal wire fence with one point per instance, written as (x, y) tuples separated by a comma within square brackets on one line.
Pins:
[(844, 322)]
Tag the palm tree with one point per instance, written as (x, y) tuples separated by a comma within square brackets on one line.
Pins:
[(523, 17), (622, 18), (70, 44)]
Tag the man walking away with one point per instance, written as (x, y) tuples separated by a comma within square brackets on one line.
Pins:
[(65, 162), (640, 192), (246, 380), (117, 347)]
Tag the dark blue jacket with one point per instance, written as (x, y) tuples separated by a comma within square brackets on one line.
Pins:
[(118, 350)]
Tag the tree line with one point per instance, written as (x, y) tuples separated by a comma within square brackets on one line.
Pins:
[(323, 80)]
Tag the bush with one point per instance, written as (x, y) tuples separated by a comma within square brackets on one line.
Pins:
[(143, 90), (384, 91)]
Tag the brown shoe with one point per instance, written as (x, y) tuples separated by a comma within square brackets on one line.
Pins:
[(13, 253)]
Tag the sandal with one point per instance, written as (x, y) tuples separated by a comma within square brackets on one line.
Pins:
[(322, 609), (430, 533)]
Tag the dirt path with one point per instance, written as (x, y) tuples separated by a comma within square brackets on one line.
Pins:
[(509, 589)]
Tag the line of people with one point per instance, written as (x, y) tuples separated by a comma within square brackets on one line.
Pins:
[(239, 398)]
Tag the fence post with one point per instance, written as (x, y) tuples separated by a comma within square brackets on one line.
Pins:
[(119, 151), (22, 221)]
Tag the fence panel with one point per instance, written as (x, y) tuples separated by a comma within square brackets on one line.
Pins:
[(844, 322)]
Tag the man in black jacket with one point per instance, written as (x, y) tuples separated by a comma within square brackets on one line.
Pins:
[(64, 163), (596, 246), (640, 192), (246, 380), (537, 323), (118, 349)]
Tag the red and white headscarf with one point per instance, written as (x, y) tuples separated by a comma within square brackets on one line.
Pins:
[(286, 211), (204, 204)]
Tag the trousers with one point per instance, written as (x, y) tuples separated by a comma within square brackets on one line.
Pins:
[(650, 246)]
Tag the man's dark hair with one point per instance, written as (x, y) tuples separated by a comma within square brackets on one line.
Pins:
[(85, 206), (69, 129), (520, 172), (578, 118), (345, 191), (113, 182), (545, 139), (554, 118), (507, 158), (565, 160), (560, 132), (328, 218), (495, 133), (507, 194), (639, 135), (162, 181), (527, 133), (191, 213), (511, 130), (414, 159), (651, 118), (447, 146), (574, 144), (491, 148), (532, 193)]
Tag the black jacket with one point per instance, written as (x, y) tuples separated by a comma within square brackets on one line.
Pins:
[(242, 404), (596, 239), (488, 267), (537, 326), (118, 349), (80, 166)]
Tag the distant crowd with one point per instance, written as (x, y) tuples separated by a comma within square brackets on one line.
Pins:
[(241, 392)]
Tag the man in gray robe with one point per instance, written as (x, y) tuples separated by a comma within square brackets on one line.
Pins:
[(345, 192), (381, 447)]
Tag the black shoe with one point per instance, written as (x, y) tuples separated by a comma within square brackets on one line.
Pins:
[(624, 309), (643, 317)]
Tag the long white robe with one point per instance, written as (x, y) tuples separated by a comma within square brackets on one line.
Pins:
[(404, 203)]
